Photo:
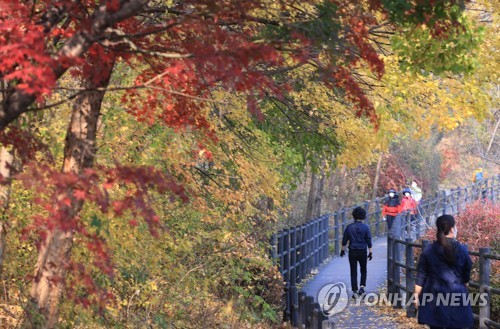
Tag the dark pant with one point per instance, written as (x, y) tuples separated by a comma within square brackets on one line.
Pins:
[(355, 256), (431, 327), (390, 220)]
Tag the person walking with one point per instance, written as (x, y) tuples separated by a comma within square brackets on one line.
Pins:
[(416, 192), (391, 208), (408, 204), (478, 175), (478, 178), (444, 267), (359, 237), (417, 196)]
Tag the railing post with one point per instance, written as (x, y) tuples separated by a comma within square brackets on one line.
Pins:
[(419, 228), (309, 301), (286, 255), (367, 210), (410, 279), (307, 239), (436, 207), (293, 256), (427, 213), (318, 317), (408, 223), (467, 196), (493, 188), (302, 310), (313, 244), (396, 272), (280, 251), (326, 244), (303, 251), (477, 192), (484, 282), (274, 247), (344, 220), (287, 311), (390, 279), (377, 217), (320, 240), (459, 200), (315, 317), (294, 306), (445, 203), (497, 188), (486, 189), (298, 253), (316, 243), (337, 233)]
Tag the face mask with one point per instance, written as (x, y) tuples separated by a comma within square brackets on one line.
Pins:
[(391, 195), (413, 184), (407, 194)]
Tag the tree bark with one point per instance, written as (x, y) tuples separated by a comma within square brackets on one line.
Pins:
[(319, 194), (313, 188), (6, 161), (54, 254), (342, 188), (314, 199), (330, 192), (377, 177)]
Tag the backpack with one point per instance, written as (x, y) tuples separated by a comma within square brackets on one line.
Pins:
[(479, 176)]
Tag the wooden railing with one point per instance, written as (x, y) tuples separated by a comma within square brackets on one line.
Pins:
[(298, 250)]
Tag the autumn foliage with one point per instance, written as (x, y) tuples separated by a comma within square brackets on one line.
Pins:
[(182, 112), (478, 227)]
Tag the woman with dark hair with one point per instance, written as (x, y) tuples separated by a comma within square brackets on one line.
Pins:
[(443, 272)]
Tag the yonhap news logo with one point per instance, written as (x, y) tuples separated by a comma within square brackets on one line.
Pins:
[(333, 298)]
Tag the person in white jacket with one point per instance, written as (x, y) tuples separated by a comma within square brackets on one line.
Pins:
[(416, 192), (417, 196)]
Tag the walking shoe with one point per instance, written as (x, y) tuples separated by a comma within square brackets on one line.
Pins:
[(361, 291), (354, 294)]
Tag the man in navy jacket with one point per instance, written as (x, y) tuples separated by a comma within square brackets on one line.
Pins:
[(359, 237)]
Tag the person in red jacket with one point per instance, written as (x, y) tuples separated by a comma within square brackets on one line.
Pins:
[(409, 204), (391, 208)]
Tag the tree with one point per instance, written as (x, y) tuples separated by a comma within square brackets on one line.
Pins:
[(79, 153), (182, 54)]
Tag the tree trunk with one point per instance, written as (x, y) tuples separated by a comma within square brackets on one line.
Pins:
[(377, 177), (331, 181), (6, 161), (319, 194), (313, 209), (342, 188), (313, 188), (54, 254)]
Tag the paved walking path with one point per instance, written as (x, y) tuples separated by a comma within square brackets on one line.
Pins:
[(337, 270)]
